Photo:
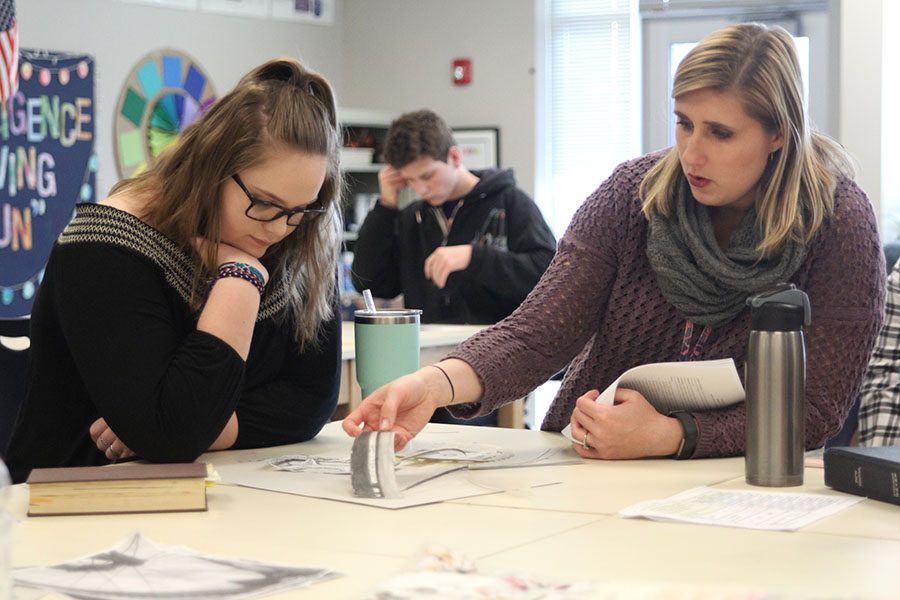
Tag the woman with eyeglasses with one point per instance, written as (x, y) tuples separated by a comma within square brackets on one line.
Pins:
[(195, 308)]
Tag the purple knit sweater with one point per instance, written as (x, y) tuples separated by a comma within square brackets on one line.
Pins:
[(599, 306)]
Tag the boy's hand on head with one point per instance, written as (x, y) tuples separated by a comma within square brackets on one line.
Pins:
[(390, 184)]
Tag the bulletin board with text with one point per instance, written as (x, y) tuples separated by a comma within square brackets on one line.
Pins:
[(47, 165)]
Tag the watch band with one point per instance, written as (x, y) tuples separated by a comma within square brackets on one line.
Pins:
[(689, 439)]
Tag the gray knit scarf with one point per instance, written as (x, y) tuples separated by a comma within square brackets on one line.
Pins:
[(705, 284)]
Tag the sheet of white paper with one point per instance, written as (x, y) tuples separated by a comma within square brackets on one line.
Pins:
[(138, 568), (777, 511), (445, 481), (689, 385)]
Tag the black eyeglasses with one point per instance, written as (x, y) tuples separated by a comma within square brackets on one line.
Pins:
[(262, 210)]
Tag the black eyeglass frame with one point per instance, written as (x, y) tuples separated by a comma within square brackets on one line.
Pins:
[(282, 212)]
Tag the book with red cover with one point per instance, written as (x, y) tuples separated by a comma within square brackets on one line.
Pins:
[(873, 472), (117, 489)]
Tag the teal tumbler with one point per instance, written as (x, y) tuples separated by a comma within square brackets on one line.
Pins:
[(387, 346)]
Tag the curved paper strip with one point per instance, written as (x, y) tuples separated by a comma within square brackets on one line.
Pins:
[(372, 472)]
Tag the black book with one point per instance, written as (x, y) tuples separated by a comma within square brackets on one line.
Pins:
[(871, 472)]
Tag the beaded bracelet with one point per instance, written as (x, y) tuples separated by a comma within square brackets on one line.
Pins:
[(240, 270), (243, 265)]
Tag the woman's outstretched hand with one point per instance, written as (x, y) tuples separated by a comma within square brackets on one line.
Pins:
[(403, 406)]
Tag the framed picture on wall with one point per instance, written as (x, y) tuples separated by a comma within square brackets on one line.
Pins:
[(308, 11), (243, 8), (184, 4), (480, 146)]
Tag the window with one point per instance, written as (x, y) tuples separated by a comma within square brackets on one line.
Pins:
[(588, 100), (890, 125)]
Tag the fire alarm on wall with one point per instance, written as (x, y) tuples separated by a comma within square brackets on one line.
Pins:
[(462, 71)]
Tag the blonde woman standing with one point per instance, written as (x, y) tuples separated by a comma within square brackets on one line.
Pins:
[(658, 262), (194, 309)]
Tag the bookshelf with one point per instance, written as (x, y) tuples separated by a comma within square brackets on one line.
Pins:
[(363, 132)]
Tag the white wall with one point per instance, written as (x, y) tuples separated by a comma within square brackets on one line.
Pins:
[(118, 35), (395, 55), (398, 54)]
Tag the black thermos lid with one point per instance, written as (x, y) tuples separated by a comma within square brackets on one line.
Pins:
[(781, 308)]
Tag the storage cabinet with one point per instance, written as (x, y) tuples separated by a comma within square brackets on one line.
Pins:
[(362, 156)]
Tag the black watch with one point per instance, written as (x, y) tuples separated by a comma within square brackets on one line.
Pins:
[(689, 440)]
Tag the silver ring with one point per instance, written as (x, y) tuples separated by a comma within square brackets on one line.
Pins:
[(584, 443)]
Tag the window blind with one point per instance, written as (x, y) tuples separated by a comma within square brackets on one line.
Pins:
[(589, 120)]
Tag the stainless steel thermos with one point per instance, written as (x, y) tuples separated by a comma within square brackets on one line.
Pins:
[(775, 379)]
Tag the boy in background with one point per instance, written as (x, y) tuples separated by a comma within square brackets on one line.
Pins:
[(468, 251)]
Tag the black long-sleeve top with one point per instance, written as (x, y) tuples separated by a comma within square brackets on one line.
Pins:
[(512, 246), (113, 336)]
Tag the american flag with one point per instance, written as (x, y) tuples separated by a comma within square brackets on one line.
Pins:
[(9, 49)]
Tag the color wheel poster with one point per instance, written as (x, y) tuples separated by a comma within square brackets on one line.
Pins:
[(47, 164), (165, 92)]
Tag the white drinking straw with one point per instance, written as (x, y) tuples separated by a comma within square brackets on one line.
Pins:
[(370, 303)]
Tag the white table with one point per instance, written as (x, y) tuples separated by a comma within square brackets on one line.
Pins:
[(564, 531)]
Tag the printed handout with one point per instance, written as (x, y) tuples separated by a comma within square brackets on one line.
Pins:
[(776, 511), (693, 386)]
